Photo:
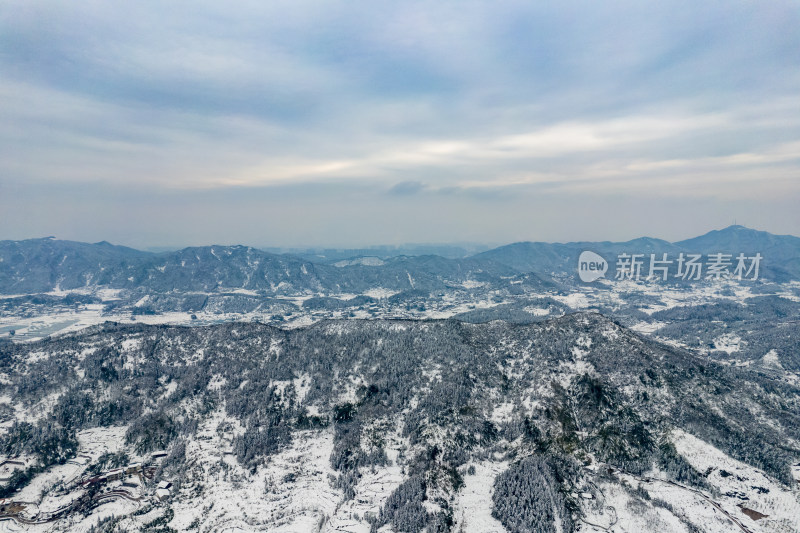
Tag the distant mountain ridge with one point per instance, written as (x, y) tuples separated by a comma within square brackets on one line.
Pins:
[(781, 253), (43, 265)]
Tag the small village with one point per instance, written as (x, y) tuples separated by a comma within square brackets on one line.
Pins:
[(83, 492)]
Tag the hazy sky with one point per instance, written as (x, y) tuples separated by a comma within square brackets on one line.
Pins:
[(363, 122)]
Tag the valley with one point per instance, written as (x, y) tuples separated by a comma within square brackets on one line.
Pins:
[(477, 400)]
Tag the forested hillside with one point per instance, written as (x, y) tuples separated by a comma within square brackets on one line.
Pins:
[(564, 407)]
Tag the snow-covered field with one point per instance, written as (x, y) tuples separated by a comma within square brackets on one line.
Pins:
[(296, 490), (648, 297), (291, 493), (741, 485), (474, 505)]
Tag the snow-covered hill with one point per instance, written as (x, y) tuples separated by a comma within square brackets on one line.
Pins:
[(572, 424)]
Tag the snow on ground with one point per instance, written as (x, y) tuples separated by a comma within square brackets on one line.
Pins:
[(239, 290), (617, 511), (77, 523), (37, 489), (380, 293), (336, 328), (52, 504), (604, 294), (473, 510), (576, 300), (452, 308), (372, 490), (672, 342), (503, 413), (647, 327), (33, 413), (292, 493), (103, 294), (568, 369), (790, 291), (363, 261), (536, 311), (131, 343), (70, 321), (11, 465), (669, 297), (771, 359), (728, 342), (299, 322), (672, 506), (302, 384), (95, 442), (690, 506), (742, 484), (297, 300)]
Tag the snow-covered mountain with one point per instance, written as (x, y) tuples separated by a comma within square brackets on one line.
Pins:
[(43, 265), (225, 388), (781, 252), (571, 424)]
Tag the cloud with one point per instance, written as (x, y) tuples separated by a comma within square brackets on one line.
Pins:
[(461, 101), (407, 188)]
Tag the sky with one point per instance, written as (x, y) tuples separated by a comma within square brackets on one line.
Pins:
[(361, 123)]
